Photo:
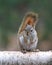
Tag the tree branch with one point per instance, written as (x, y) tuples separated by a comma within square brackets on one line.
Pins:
[(29, 58)]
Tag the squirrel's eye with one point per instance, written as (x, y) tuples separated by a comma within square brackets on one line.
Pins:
[(31, 30)]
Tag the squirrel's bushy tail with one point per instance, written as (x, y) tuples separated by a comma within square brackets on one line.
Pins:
[(27, 20)]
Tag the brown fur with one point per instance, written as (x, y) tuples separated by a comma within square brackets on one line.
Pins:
[(30, 18)]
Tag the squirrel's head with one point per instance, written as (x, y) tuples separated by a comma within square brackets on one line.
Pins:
[(30, 18), (30, 30)]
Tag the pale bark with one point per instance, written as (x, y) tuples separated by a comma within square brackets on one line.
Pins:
[(29, 58)]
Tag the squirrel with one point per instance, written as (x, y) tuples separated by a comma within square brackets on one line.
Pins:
[(27, 36)]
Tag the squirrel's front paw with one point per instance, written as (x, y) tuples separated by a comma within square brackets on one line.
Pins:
[(23, 51)]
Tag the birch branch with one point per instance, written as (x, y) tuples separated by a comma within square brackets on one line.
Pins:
[(29, 58)]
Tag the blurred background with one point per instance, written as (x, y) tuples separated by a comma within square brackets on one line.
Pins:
[(11, 15)]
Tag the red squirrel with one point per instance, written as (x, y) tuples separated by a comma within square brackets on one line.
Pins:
[(27, 36)]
